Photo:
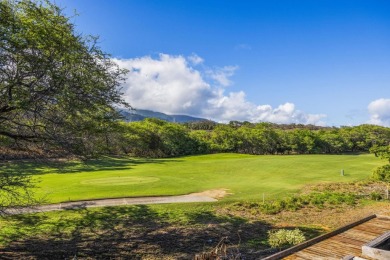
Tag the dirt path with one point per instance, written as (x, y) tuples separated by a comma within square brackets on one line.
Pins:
[(206, 196)]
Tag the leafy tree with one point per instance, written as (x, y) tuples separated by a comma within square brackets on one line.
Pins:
[(258, 139), (143, 138), (56, 87), (382, 173), (157, 138), (203, 140), (381, 151), (201, 125), (354, 138), (302, 140), (224, 139), (332, 142), (176, 140)]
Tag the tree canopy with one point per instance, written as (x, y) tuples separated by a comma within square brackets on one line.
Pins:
[(58, 90), (157, 138), (382, 173), (55, 85)]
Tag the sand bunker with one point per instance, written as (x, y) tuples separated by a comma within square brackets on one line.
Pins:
[(216, 194)]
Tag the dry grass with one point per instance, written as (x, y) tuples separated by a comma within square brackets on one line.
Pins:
[(362, 188), (224, 250)]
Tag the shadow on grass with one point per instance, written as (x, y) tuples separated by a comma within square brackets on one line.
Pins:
[(128, 233), (35, 167), (208, 217)]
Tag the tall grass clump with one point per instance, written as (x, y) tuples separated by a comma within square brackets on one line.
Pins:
[(284, 237)]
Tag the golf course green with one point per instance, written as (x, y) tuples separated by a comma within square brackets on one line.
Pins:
[(246, 177)]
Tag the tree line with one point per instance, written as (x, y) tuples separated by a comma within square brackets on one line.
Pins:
[(157, 138)]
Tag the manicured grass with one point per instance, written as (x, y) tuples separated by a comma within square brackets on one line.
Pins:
[(247, 177)]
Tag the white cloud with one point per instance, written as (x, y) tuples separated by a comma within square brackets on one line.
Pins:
[(168, 84), (232, 106), (222, 75), (380, 112), (286, 113), (195, 59)]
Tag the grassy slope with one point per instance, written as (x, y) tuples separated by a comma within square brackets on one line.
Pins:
[(246, 176)]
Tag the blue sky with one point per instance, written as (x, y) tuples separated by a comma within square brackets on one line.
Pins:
[(321, 62)]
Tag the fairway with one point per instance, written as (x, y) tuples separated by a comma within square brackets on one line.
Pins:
[(247, 177)]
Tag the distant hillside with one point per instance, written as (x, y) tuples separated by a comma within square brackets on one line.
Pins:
[(140, 114)]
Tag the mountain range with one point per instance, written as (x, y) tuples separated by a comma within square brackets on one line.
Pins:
[(141, 114)]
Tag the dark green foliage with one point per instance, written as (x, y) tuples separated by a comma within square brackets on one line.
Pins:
[(201, 125), (382, 173), (57, 91), (381, 151), (157, 138), (57, 88), (330, 198)]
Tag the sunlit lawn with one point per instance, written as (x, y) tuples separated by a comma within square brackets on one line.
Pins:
[(247, 177)]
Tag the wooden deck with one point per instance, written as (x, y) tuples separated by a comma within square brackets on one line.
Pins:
[(340, 243)]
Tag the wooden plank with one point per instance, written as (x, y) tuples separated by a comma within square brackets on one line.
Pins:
[(348, 242), (364, 235), (295, 257), (319, 251), (313, 241), (372, 230), (308, 255), (329, 252), (345, 240), (378, 225), (335, 243), (339, 248), (350, 236)]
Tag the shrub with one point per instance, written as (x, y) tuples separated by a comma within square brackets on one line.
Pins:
[(382, 173), (293, 203), (271, 207), (296, 202), (284, 237), (375, 196), (330, 198)]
